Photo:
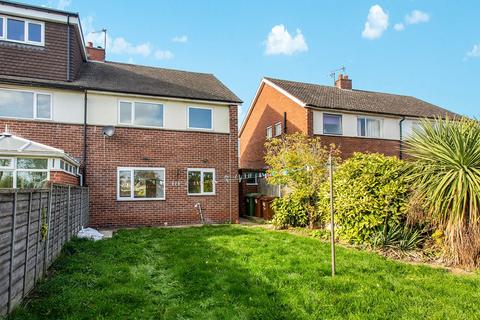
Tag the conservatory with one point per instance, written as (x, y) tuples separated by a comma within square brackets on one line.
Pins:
[(25, 164)]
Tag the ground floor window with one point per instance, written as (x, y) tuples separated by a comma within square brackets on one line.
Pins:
[(23, 173), (201, 181), (141, 184)]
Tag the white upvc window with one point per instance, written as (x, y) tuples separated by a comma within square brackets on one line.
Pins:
[(332, 124), (278, 129), (140, 183), (251, 178), (369, 127), (201, 181), (269, 132), (24, 104), (24, 172), (21, 30), (200, 118), (142, 114)]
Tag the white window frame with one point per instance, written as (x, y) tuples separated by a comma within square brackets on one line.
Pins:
[(341, 123), (370, 118), (254, 177), (269, 133), (278, 132), (202, 171), (2, 36), (26, 22), (204, 108), (133, 106), (14, 169), (132, 170), (34, 106)]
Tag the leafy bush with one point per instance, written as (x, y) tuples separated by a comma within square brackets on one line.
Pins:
[(370, 191), (298, 162), (399, 237), (446, 176), (290, 211)]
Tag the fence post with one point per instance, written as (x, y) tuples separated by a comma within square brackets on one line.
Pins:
[(27, 246), (12, 251), (39, 235), (47, 240), (67, 228)]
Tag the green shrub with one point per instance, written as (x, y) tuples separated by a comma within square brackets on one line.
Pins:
[(400, 237), (370, 191), (290, 211)]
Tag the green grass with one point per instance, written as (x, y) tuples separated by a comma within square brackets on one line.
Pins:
[(236, 272)]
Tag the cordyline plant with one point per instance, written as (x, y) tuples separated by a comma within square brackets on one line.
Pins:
[(299, 163), (446, 176)]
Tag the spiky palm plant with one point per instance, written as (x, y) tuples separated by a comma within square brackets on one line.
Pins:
[(446, 175)]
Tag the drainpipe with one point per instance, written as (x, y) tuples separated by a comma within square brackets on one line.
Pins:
[(284, 122), (85, 138), (401, 137), (68, 48)]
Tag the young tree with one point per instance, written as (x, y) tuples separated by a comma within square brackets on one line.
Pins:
[(299, 163)]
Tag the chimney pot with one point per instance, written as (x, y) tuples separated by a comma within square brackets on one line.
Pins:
[(90, 44)]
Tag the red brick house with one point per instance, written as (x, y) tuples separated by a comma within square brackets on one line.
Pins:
[(153, 145), (354, 120)]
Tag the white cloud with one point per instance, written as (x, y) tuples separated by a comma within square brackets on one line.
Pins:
[(163, 55), (115, 45), (416, 17), (180, 39), (280, 41), (377, 23), (399, 27), (475, 52)]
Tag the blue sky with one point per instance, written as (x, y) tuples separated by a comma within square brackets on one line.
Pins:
[(429, 49)]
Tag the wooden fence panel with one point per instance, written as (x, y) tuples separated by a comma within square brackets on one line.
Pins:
[(34, 227)]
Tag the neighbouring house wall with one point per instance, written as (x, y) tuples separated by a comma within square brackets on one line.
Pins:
[(43, 62), (267, 110), (349, 145)]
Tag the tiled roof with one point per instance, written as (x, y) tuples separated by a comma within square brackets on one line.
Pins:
[(129, 78), (330, 97)]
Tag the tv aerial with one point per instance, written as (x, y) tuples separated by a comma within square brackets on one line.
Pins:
[(333, 73)]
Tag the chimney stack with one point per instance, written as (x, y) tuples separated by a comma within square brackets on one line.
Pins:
[(343, 82), (95, 54)]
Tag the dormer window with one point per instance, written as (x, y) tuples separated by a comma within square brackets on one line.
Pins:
[(22, 30)]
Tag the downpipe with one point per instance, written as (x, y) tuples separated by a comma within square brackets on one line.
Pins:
[(198, 206)]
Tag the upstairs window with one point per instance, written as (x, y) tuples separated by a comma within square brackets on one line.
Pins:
[(369, 127), (22, 30), (269, 133), (200, 118), (332, 124), (140, 114), (25, 104), (278, 129)]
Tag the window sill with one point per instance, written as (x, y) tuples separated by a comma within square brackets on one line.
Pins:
[(201, 194), (148, 199)]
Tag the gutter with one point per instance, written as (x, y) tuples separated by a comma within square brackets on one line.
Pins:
[(401, 137)]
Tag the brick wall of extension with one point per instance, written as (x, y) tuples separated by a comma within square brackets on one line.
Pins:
[(134, 147)]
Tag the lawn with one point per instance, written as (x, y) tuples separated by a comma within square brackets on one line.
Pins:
[(238, 272)]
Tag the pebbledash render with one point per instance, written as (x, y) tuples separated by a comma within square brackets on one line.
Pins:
[(155, 146), (354, 120)]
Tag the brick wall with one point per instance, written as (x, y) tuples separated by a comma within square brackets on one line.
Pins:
[(62, 177), (268, 110), (349, 145), (47, 62), (132, 147)]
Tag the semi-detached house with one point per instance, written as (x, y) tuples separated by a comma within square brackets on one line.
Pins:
[(155, 146)]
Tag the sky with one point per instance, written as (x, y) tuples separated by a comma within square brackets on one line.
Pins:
[(429, 49)]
